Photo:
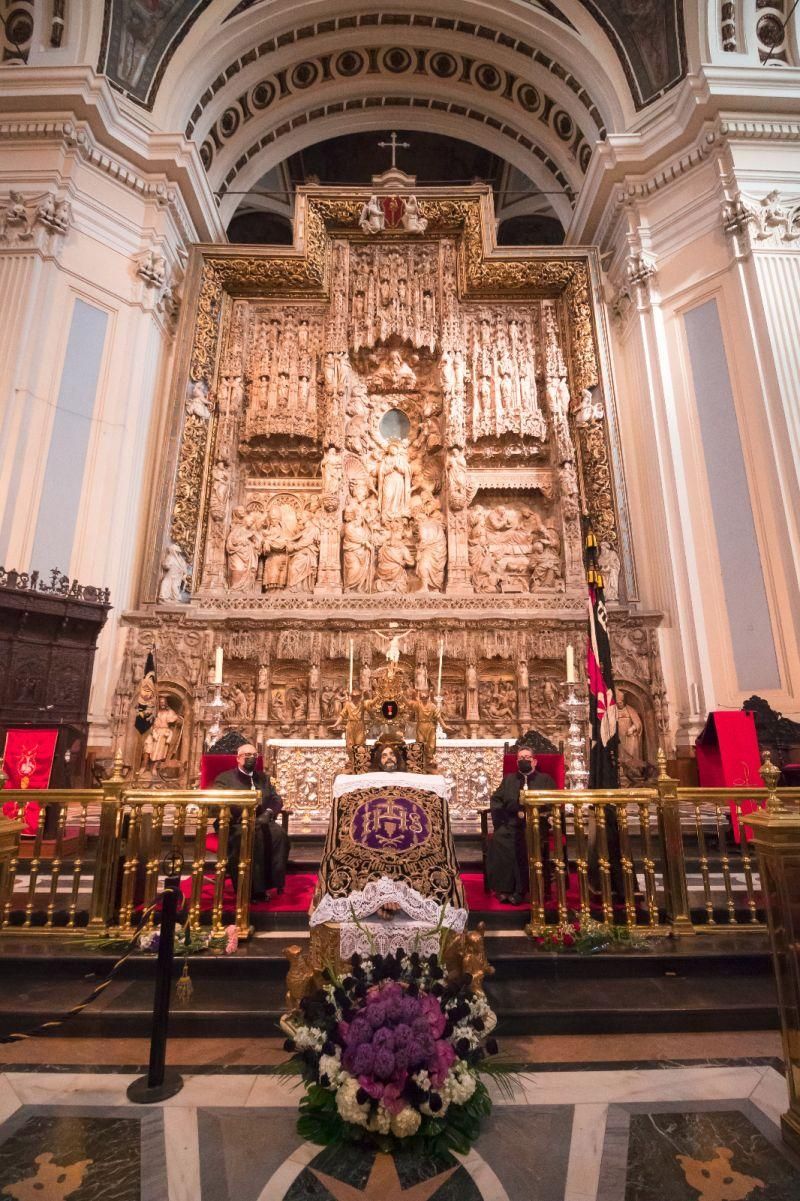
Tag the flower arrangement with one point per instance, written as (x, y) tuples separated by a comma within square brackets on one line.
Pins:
[(587, 936), (393, 1051), (192, 942)]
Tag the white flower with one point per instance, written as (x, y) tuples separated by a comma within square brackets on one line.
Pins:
[(331, 1066), (422, 1078), (406, 1122), (309, 1038), (381, 1120), (460, 1084), (347, 1105)]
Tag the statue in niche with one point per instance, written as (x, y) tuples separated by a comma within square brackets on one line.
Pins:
[(558, 400), (303, 554), (421, 675), (393, 559), (545, 565), (610, 567), (589, 410), (365, 678), (277, 705), (357, 435), (220, 482), (629, 725), (550, 696), (162, 740), (395, 373), (331, 474), (241, 552), (175, 570), (356, 550), (498, 700), (372, 219), (326, 699), (431, 544), (297, 703), (457, 480), (447, 374), (428, 438), (394, 482), (471, 680), (412, 220)]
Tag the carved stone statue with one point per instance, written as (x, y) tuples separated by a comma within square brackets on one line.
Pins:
[(174, 568), (356, 550), (394, 482), (394, 557), (162, 740), (197, 402), (610, 567), (629, 725), (412, 219), (372, 219), (431, 545), (241, 551), (457, 480), (303, 554), (220, 482), (331, 475)]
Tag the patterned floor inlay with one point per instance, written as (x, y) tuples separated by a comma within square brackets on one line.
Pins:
[(665, 1134)]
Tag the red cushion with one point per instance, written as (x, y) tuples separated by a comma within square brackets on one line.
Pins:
[(552, 765), (212, 766)]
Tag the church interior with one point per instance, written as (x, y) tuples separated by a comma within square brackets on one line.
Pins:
[(400, 431)]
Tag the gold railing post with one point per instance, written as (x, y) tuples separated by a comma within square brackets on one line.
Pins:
[(10, 830), (676, 892), (107, 851), (533, 842), (776, 836)]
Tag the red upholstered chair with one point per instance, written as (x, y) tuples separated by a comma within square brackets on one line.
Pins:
[(212, 766), (551, 764)]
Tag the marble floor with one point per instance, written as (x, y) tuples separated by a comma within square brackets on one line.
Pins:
[(698, 1132)]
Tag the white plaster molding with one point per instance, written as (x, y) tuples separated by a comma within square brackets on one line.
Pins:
[(764, 224), (37, 222)]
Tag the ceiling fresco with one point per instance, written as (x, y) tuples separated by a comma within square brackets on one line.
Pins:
[(140, 37)]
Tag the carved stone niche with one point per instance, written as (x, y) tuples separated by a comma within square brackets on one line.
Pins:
[(498, 699), (638, 734), (515, 544)]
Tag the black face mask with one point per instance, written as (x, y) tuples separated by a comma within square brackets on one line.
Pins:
[(249, 763), (525, 766)]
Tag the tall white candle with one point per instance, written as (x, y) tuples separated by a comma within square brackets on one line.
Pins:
[(570, 664), (218, 666), (350, 684), (441, 662)]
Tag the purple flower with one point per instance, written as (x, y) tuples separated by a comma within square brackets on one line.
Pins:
[(383, 1038), (402, 1035), (394, 1007), (363, 1061), (359, 1031), (401, 1059), (375, 1013), (384, 1064)]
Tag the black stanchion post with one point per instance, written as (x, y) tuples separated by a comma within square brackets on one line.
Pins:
[(160, 1082)]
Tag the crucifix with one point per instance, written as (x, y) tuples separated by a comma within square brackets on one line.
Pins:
[(394, 146)]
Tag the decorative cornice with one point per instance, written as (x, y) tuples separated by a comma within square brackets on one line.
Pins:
[(761, 224)]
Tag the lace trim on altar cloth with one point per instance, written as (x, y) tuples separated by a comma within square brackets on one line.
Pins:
[(385, 938), (425, 911)]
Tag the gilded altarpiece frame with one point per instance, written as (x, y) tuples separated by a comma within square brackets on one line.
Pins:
[(389, 432)]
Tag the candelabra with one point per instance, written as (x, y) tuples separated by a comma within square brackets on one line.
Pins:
[(577, 710), (216, 709), (440, 731)]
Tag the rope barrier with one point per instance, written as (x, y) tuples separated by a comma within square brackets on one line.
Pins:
[(54, 1023)]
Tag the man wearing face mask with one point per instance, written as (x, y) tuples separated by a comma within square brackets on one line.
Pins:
[(270, 842), (507, 863)]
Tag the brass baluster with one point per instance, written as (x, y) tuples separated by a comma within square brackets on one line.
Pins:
[(36, 860), (626, 859), (604, 864), (153, 860), (130, 865), (179, 814), (222, 863), (726, 865), (198, 865), (245, 870), (55, 865), (704, 871), (77, 866), (676, 890), (558, 861), (582, 861), (747, 865), (11, 874), (648, 864), (533, 839)]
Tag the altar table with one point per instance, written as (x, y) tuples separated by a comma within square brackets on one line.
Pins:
[(304, 769)]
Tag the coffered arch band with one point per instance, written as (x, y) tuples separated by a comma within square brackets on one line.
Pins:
[(306, 129)]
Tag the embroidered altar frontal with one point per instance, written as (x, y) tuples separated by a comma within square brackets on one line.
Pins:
[(390, 831)]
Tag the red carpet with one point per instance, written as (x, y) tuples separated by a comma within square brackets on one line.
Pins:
[(296, 896)]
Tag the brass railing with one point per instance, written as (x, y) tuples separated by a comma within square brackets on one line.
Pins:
[(112, 846), (659, 859)]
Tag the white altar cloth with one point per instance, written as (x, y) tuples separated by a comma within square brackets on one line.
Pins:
[(380, 779)]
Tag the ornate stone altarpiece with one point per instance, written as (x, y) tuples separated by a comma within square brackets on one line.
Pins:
[(388, 431)]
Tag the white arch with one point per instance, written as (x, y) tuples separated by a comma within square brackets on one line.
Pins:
[(211, 46), (427, 120)]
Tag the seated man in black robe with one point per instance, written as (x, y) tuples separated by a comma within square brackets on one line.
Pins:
[(270, 841), (507, 861)]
